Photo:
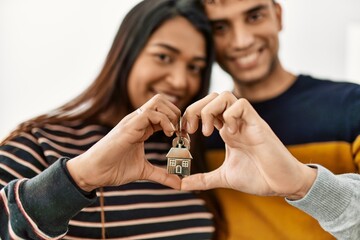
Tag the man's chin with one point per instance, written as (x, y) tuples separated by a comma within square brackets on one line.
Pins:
[(248, 79)]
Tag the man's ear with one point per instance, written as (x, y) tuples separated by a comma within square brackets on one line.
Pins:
[(278, 12)]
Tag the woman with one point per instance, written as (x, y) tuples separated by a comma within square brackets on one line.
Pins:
[(159, 63)]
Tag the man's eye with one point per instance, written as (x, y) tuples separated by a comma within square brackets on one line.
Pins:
[(219, 27), (255, 17)]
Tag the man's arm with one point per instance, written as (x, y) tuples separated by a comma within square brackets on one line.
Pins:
[(334, 201), (257, 162)]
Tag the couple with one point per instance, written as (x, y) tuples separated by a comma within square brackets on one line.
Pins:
[(94, 167)]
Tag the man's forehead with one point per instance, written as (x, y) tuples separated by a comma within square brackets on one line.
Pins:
[(222, 7), (222, 2), (219, 1), (218, 10)]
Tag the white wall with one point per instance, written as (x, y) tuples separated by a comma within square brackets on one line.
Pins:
[(315, 36), (51, 50)]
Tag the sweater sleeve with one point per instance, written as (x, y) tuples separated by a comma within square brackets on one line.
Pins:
[(334, 200), (41, 207)]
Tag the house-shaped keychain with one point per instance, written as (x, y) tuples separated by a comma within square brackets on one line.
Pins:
[(179, 160)]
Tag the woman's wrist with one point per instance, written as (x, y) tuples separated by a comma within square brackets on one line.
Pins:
[(79, 174)]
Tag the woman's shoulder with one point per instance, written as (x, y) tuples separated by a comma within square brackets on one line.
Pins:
[(71, 129), (53, 140)]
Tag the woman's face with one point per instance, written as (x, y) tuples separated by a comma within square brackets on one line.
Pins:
[(170, 64)]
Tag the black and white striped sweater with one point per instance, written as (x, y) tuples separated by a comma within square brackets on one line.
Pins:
[(38, 199)]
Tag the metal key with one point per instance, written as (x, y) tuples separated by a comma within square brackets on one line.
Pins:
[(179, 157)]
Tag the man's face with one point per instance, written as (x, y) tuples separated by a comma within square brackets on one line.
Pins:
[(246, 37)]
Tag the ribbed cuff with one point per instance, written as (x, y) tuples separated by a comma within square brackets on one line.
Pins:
[(51, 199), (328, 197), (91, 194)]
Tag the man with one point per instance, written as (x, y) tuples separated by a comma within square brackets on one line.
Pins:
[(318, 120), (258, 163)]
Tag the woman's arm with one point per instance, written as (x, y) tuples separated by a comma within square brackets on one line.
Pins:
[(40, 205)]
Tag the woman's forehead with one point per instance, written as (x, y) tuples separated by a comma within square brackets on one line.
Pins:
[(179, 33)]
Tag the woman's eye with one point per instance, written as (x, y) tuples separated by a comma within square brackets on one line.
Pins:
[(164, 58), (195, 69)]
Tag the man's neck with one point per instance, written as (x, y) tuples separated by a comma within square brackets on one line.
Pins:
[(267, 88)]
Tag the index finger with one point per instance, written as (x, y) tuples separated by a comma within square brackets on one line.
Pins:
[(190, 120), (212, 113), (240, 109)]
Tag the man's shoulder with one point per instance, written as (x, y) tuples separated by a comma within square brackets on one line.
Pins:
[(326, 82), (329, 87)]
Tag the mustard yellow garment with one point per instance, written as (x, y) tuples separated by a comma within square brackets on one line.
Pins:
[(319, 122)]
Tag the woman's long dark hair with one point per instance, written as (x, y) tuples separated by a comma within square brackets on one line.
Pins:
[(110, 87)]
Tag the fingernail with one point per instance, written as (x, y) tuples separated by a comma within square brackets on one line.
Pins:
[(188, 126), (172, 126), (204, 128)]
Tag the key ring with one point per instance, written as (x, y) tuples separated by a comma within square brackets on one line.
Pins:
[(179, 157), (180, 140)]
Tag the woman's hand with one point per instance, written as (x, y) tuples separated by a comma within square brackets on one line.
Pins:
[(256, 161), (119, 158)]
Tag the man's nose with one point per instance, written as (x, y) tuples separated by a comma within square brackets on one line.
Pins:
[(242, 37)]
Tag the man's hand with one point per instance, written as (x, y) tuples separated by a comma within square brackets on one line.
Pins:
[(256, 161)]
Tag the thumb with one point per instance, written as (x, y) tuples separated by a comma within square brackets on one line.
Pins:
[(202, 181), (161, 176)]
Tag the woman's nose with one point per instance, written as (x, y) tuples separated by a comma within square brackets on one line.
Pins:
[(178, 77)]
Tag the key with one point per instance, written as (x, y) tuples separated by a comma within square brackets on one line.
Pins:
[(179, 157)]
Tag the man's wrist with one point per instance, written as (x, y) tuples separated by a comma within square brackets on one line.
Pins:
[(308, 180)]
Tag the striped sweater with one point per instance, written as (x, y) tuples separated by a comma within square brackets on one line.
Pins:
[(39, 200), (319, 122)]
